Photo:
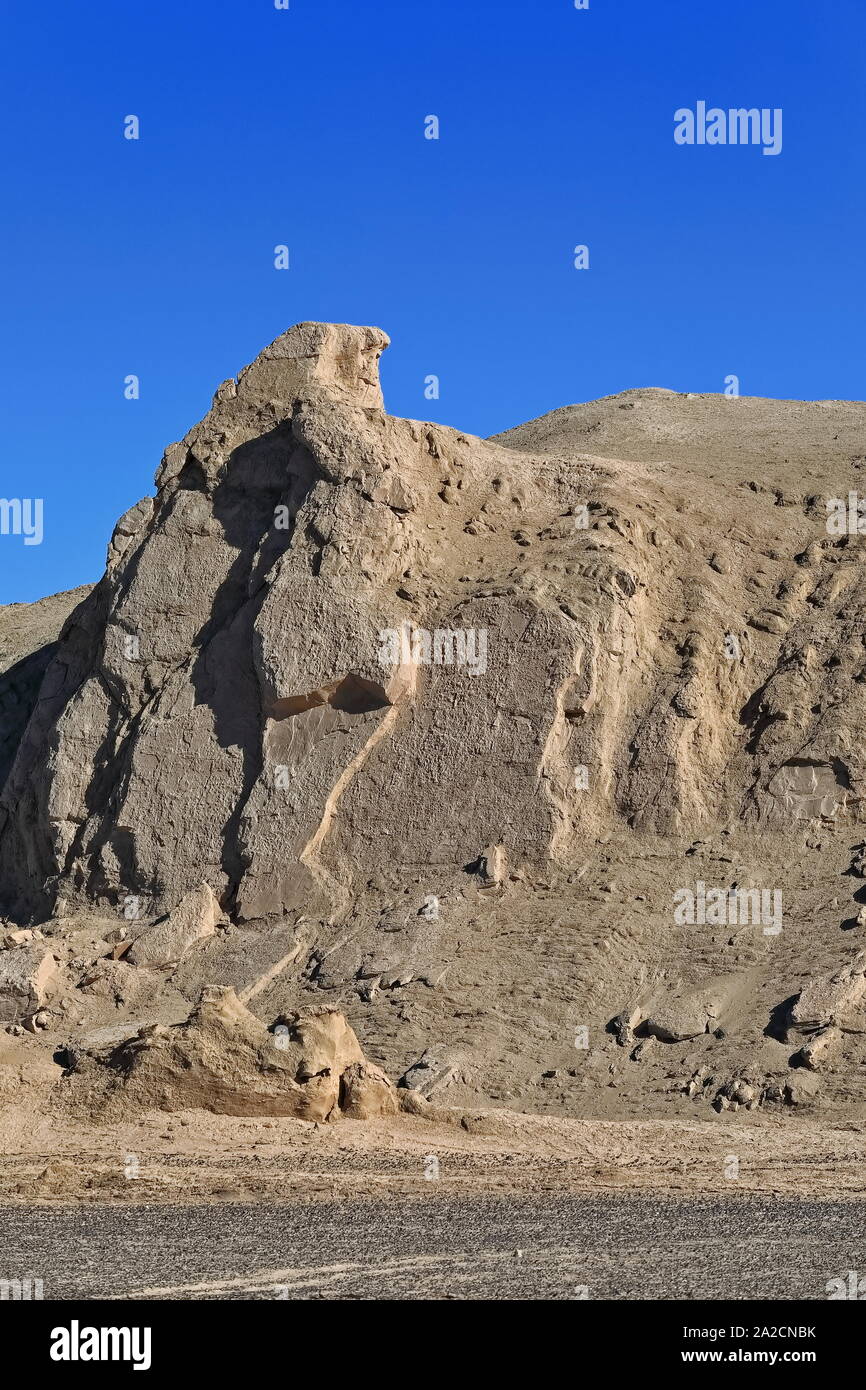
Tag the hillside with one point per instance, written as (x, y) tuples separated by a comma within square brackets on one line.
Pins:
[(538, 757)]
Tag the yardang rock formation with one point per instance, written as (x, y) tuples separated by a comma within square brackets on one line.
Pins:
[(421, 707)]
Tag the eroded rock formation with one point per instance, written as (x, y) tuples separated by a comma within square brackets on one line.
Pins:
[(240, 700), (223, 1059), (369, 706), (337, 642)]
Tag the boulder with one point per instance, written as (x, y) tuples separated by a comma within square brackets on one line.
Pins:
[(818, 1050), (830, 998), (28, 976), (688, 1013), (492, 864), (802, 1088), (737, 1092), (366, 1092), (624, 1024), (167, 942), (435, 1069), (21, 936)]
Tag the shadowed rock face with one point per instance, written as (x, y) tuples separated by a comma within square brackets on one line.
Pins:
[(28, 642), (19, 689), (338, 645), (240, 701)]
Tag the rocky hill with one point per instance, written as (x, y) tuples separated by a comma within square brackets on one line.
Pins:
[(538, 756)]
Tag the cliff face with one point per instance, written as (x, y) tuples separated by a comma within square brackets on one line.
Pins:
[(315, 652), (28, 640), (338, 645)]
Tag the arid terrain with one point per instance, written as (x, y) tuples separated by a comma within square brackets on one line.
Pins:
[(411, 815)]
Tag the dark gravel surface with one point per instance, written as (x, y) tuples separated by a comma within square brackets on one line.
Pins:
[(543, 1247)]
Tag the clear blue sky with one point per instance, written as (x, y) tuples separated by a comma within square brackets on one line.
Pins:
[(306, 127)]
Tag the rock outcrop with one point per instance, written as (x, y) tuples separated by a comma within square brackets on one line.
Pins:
[(831, 999), (438, 727), (297, 660), (167, 942), (224, 1059), (27, 975), (337, 642)]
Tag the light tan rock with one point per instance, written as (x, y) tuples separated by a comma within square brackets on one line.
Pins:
[(28, 978), (166, 943), (830, 998), (817, 1052), (366, 1092), (19, 937), (224, 1059), (492, 866), (333, 356)]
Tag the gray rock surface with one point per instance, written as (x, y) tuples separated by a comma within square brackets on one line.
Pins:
[(167, 943), (27, 974)]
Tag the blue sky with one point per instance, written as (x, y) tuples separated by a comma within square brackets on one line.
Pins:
[(306, 127)]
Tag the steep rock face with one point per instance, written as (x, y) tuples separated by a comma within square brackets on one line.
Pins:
[(340, 647), (241, 680), (28, 640)]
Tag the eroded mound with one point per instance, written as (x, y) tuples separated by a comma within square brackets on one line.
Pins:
[(223, 1059)]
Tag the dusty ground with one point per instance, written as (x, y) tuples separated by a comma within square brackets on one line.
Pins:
[(526, 983), (193, 1157), (463, 1205)]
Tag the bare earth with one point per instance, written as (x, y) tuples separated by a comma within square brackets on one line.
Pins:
[(194, 1157)]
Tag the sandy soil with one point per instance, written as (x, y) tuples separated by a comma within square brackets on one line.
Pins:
[(194, 1157)]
